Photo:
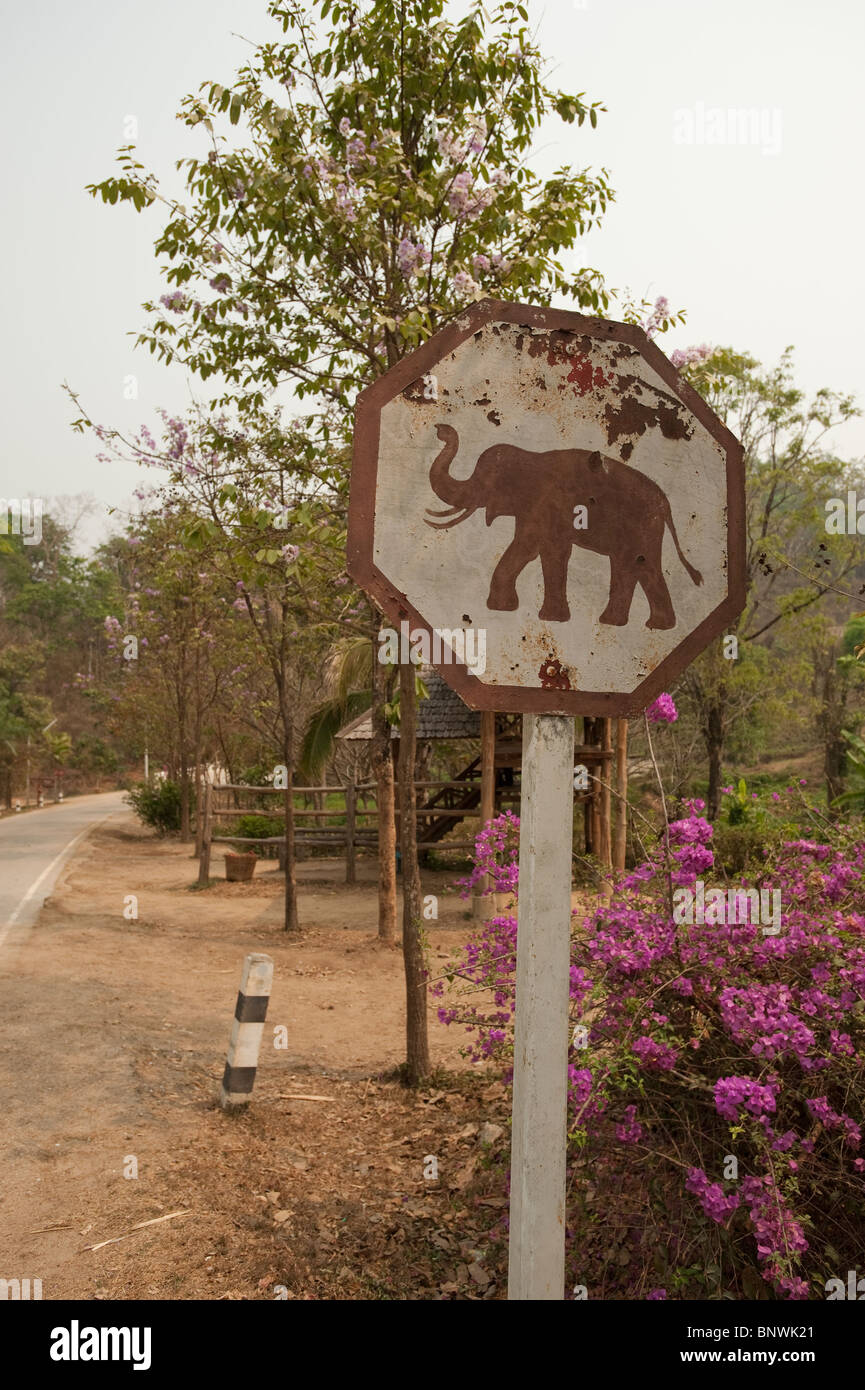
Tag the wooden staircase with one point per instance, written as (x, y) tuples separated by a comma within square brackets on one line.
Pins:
[(451, 803)]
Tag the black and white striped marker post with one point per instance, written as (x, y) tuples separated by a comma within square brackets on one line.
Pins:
[(246, 1031)]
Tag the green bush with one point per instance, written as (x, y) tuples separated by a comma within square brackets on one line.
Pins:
[(741, 847), (252, 827), (157, 804)]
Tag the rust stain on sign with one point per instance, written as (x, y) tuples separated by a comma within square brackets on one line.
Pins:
[(553, 676)]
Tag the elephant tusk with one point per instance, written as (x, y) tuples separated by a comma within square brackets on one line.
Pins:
[(455, 521)]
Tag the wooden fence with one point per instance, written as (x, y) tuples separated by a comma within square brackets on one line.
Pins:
[(439, 805)]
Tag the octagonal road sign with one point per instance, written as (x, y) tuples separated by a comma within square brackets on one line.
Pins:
[(547, 511)]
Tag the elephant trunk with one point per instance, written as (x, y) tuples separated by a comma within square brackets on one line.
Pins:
[(450, 490), (456, 492)]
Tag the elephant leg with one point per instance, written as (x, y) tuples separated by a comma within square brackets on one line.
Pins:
[(503, 584), (623, 582), (662, 615), (555, 557)]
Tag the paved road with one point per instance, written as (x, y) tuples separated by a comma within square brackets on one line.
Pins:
[(35, 845)]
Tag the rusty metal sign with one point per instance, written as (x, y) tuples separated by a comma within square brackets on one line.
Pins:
[(545, 511)]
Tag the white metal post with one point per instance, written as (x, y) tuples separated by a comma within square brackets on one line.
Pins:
[(536, 1267)]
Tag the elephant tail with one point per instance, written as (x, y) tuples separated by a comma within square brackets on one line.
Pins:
[(695, 574)]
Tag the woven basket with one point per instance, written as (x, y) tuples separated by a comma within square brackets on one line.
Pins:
[(239, 868)]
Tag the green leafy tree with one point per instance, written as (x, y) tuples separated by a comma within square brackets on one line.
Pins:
[(791, 562), (375, 182)]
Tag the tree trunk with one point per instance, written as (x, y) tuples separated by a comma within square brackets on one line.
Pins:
[(199, 790), (417, 1045), (714, 736), (587, 805), (185, 831), (382, 766), (291, 918), (831, 723), (480, 902)]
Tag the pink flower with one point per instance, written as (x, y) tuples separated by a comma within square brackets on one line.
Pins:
[(630, 1131), (662, 710), (688, 357), (464, 284), (176, 302), (659, 313)]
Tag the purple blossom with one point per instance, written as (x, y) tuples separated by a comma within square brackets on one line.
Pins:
[(662, 710), (717, 1206), (734, 1092), (176, 301), (411, 257), (629, 1131), (659, 313), (464, 284), (688, 357)]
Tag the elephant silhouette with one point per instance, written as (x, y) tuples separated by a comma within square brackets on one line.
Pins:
[(626, 514)]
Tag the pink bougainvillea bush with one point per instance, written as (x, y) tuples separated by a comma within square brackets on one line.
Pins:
[(716, 1082)]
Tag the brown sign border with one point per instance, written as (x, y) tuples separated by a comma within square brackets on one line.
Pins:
[(361, 514)]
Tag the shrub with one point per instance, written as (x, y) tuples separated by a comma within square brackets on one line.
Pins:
[(745, 849), (252, 826), (157, 804), (715, 1076)]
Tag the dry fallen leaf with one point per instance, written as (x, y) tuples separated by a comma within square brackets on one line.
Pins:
[(463, 1176), (494, 1091)]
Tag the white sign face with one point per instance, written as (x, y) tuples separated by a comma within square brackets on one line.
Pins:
[(547, 486)]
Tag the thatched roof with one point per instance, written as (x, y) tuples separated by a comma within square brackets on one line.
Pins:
[(441, 715)]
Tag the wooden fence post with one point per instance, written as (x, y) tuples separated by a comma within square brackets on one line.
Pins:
[(350, 817), (622, 798), (604, 847), (204, 861)]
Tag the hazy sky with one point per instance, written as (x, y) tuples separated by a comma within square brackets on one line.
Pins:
[(759, 240)]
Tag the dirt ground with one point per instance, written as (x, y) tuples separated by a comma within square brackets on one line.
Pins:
[(115, 1035)]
